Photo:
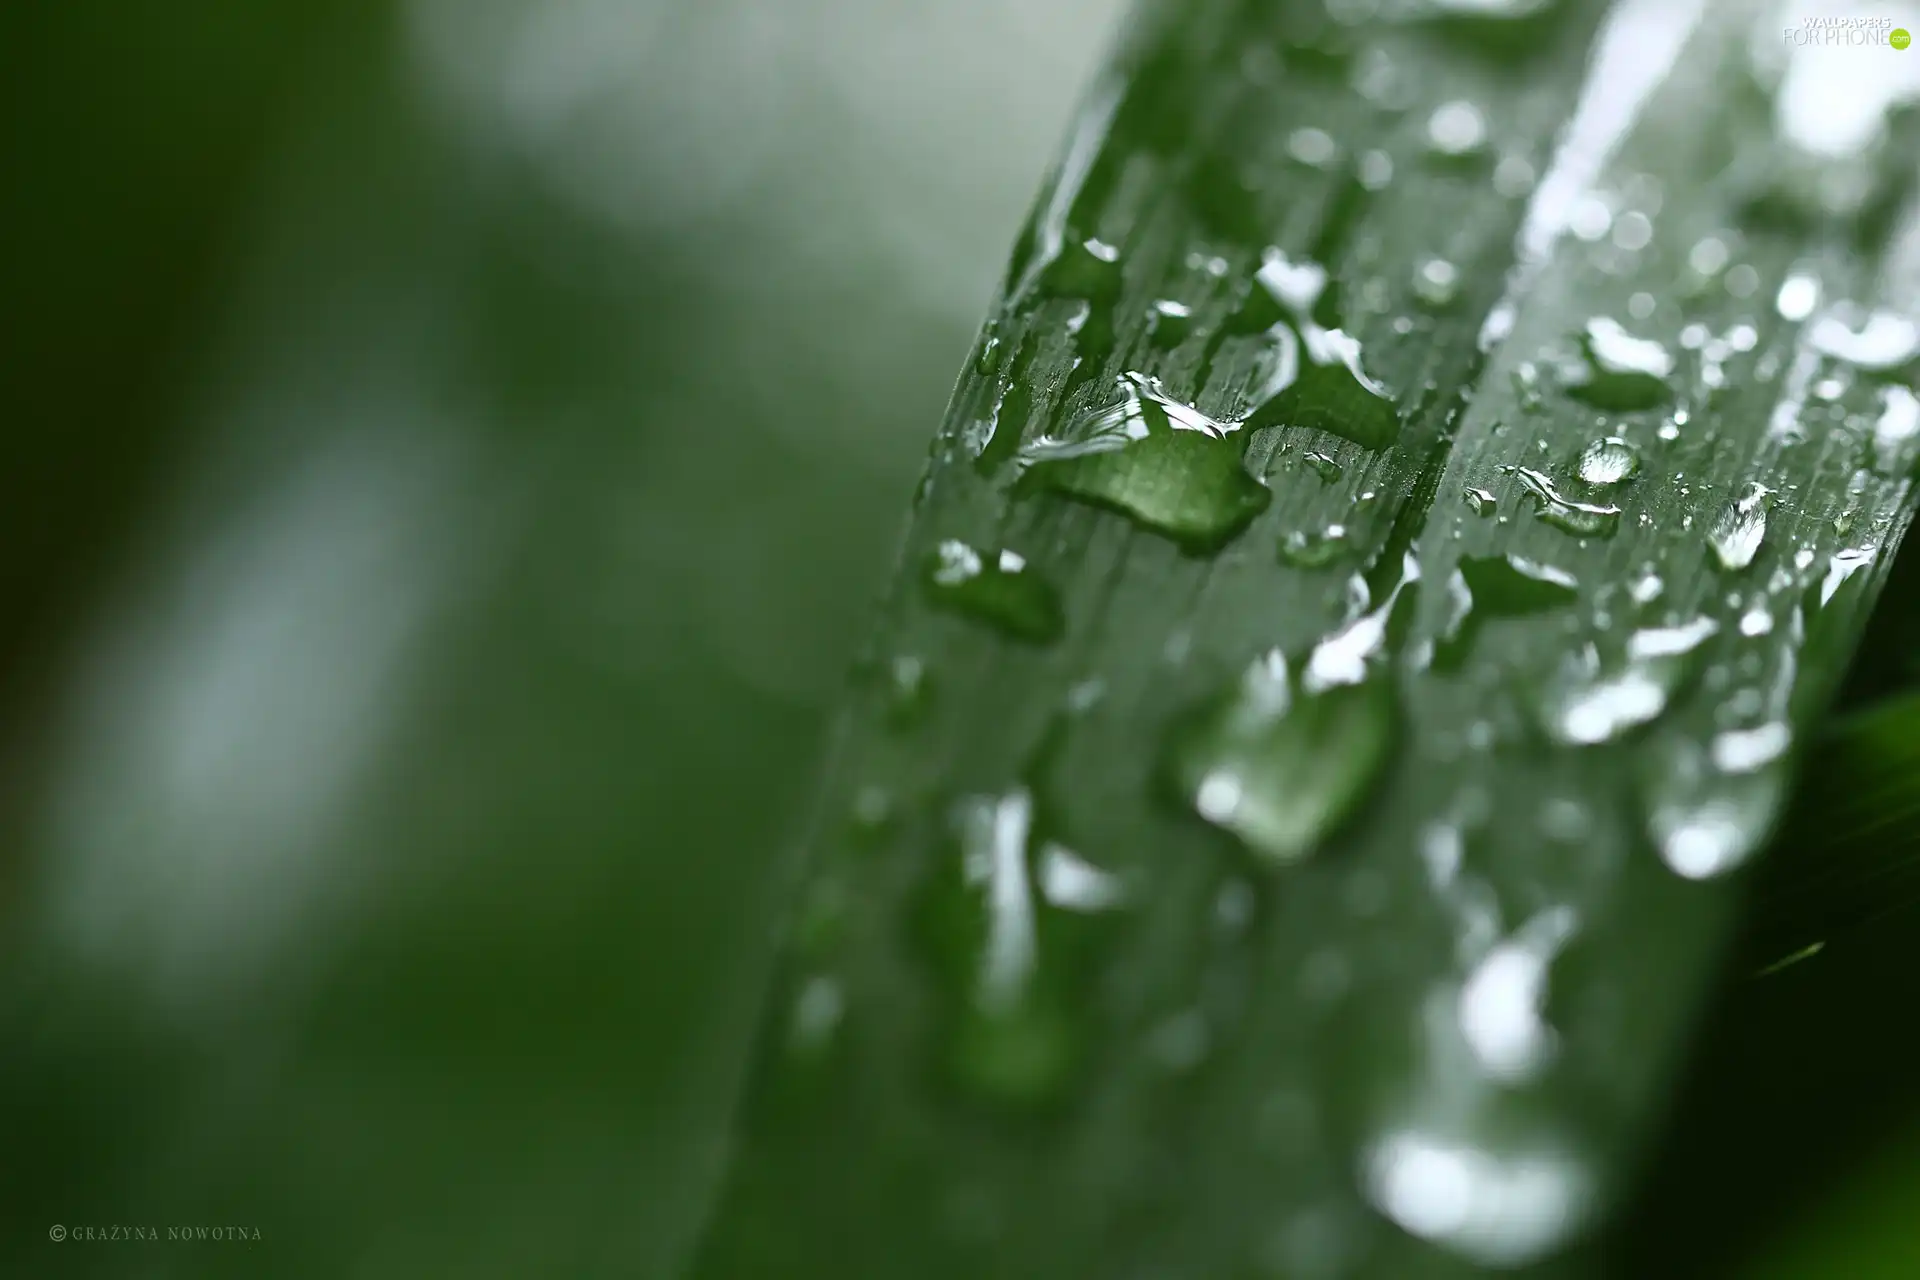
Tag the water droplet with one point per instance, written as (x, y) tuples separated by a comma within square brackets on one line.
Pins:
[(1884, 343), (1305, 550), (1162, 463), (1312, 147), (998, 589), (1591, 700), (1089, 270), (987, 363), (1347, 656), (1480, 502), (1071, 883), (1086, 695), (1501, 1000), (1582, 519), (1647, 588), (817, 1013), (1744, 750), (1526, 387), (872, 810), (1484, 588), (1456, 129), (1799, 295), (1895, 430), (1512, 586), (908, 691), (1513, 177), (1704, 820), (1709, 256), (1499, 1208), (1633, 231), (1010, 941), (1170, 323), (1840, 568), (1589, 218), (1609, 461), (1376, 170), (1622, 373), (1316, 378), (1437, 283), (1282, 768), (1738, 532), (1324, 467)]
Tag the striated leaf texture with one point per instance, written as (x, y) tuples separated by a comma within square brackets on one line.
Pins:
[(1461, 446)]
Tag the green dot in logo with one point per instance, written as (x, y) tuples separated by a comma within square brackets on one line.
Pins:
[(1899, 38)]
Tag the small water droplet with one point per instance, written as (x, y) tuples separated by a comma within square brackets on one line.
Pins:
[(1526, 387), (987, 363), (1738, 532), (1325, 467), (1709, 256), (1647, 588), (1895, 430), (817, 1013), (1008, 924), (1513, 177), (1088, 270), (1313, 147), (1170, 323), (1589, 218), (1499, 1207), (1484, 588), (1158, 461), (1456, 129), (1582, 519), (1308, 550), (1799, 295), (872, 810), (998, 589), (1086, 695), (1609, 461), (1840, 569), (1633, 231), (908, 691), (1316, 377), (1591, 700), (1744, 750), (1480, 502), (1705, 820), (1621, 373), (1279, 767), (1376, 170), (1437, 283), (1071, 883)]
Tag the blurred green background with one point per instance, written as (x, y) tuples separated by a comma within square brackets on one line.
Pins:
[(453, 445)]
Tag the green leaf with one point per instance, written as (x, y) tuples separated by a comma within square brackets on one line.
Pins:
[(1405, 971)]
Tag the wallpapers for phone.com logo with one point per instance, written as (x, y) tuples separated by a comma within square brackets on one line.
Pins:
[(1861, 33)]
